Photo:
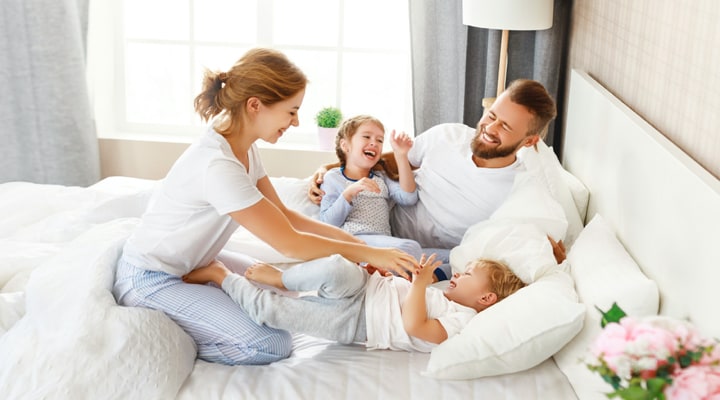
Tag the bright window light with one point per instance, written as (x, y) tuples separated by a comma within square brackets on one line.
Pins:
[(146, 59)]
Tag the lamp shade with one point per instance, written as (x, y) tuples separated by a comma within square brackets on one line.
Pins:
[(513, 15)]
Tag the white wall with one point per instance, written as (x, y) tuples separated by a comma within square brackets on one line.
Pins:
[(152, 159)]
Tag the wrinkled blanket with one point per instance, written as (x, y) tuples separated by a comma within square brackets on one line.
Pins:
[(63, 335)]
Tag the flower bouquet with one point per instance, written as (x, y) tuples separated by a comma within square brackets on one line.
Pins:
[(655, 358)]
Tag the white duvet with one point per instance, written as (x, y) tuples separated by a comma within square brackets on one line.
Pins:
[(68, 339)]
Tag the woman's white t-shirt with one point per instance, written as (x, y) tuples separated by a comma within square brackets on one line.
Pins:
[(186, 223)]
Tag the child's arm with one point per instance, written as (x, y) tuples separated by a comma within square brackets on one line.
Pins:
[(401, 144), (414, 310)]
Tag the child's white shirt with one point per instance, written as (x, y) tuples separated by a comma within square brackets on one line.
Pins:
[(383, 301)]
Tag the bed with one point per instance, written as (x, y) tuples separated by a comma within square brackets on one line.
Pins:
[(640, 209)]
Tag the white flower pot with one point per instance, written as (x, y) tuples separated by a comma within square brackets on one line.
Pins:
[(326, 138)]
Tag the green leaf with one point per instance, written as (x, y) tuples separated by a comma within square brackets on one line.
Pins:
[(685, 360), (656, 386), (634, 393), (614, 314)]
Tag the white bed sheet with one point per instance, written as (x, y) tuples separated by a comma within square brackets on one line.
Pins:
[(63, 336), (321, 370)]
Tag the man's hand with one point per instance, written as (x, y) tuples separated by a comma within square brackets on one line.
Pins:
[(314, 192), (558, 250)]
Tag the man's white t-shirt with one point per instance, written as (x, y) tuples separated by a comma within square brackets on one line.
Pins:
[(186, 223), (383, 301), (453, 192)]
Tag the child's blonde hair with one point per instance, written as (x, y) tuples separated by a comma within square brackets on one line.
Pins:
[(503, 280), (349, 128)]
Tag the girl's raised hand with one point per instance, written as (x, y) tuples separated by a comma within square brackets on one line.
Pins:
[(400, 142)]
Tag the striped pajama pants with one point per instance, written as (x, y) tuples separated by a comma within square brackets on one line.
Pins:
[(221, 329)]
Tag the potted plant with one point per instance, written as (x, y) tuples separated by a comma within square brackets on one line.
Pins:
[(328, 120)]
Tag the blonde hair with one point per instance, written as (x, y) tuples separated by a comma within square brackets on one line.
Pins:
[(503, 280), (263, 73), (348, 129)]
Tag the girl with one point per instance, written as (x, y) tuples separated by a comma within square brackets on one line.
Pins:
[(360, 193), (216, 185)]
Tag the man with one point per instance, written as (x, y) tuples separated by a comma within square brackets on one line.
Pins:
[(463, 174)]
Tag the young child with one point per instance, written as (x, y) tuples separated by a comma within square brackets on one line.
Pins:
[(360, 193), (352, 306)]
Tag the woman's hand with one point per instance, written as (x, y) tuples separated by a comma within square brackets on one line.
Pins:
[(393, 260)]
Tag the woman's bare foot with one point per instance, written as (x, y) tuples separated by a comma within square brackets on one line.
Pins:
[(265, 274), (214, 272)]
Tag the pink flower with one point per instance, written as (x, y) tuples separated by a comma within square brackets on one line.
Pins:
[(712, 357), (668, 352), (647, 339), (611, 341), (697, 382), (684, 331), (633, 347)]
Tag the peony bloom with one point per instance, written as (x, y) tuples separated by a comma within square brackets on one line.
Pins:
[(697, 382), (633, 347), (712, 357)]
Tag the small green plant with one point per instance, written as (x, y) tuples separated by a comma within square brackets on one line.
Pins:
[(328, 117)]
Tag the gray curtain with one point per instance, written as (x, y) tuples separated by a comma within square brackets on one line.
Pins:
[(46, 122), (455, 66)]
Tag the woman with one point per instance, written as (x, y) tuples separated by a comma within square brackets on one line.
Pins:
[(217, 184)]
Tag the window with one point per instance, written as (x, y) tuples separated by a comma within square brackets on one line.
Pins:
[(147, 57)]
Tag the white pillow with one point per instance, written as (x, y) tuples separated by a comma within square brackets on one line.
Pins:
[(517, 232), (530, 201), (529, 326), (580, 193), (293, 193), (604, 273), (515, 334), (523, 247), (545, 164)]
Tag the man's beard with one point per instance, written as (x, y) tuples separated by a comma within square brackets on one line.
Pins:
[(482, 150)]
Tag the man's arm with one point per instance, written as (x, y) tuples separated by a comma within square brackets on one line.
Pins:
[(315, 194), (414, 309)]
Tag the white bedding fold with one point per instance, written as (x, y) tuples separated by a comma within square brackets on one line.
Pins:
[(64, 335)]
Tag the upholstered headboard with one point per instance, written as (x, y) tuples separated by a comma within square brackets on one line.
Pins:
[(663, 206)]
